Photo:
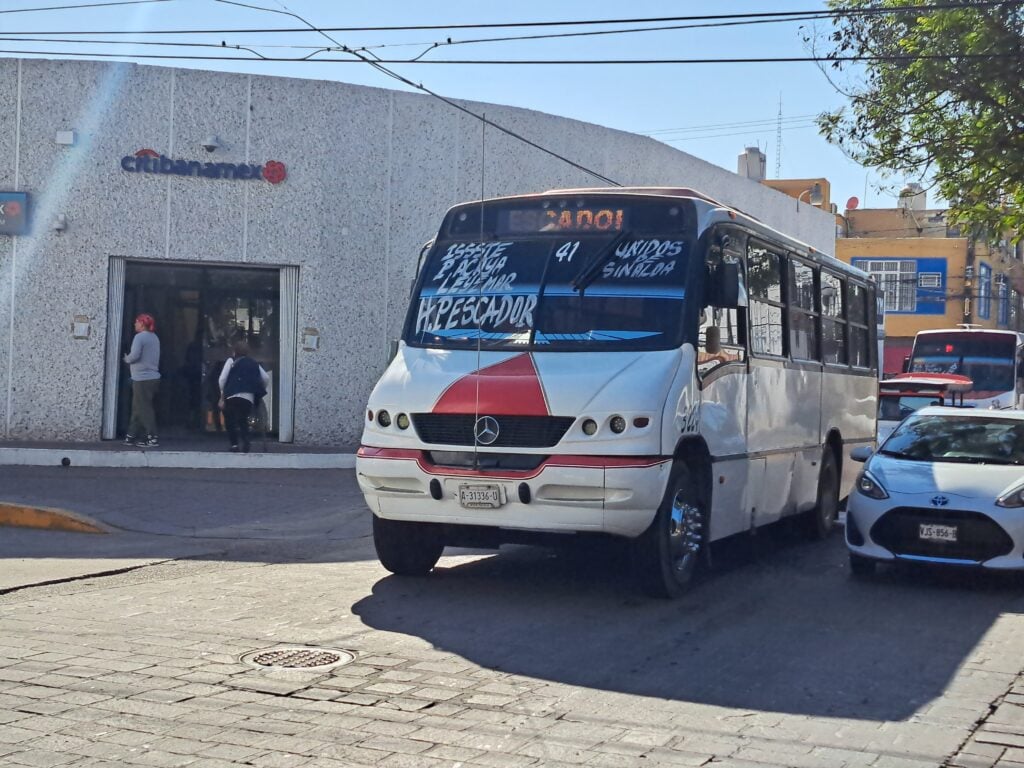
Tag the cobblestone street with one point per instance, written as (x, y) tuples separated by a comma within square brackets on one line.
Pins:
[(521, 658)]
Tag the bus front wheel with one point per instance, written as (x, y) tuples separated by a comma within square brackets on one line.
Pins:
[(406, 548), (667, 553)]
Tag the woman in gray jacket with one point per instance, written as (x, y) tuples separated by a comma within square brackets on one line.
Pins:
[(144, 360)]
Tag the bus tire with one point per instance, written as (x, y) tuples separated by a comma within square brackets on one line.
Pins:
[(666, 555), (406, 548), (822, 519)]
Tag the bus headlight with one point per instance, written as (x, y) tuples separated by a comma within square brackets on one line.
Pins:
[(402, 421), (617, 424), (383, 418), (589, 427)]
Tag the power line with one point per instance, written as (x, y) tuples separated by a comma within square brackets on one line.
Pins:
[(534, 62), (419, 86), (77, 6), (809, 124), (528, 24), (741, 124)]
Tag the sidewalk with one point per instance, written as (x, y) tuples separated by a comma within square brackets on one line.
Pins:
[(148, 515), (191, 452)]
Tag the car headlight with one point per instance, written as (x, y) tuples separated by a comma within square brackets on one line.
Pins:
[(870, 487), (1012, 499)]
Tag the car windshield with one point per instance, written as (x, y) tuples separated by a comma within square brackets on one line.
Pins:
[(527, 285), (898, 407), (964, 439)]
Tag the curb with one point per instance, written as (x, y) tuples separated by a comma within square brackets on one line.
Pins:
[(156, 458), (23, 516)]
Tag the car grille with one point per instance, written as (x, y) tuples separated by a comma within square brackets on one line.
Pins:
[(979, 538), (513, 432)]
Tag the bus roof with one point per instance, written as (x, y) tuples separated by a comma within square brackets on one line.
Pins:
[(971, 329), (905, 383)]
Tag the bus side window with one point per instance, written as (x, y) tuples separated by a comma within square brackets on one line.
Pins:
[(721, 339), (803, 311), (723, 333), (767, 318)]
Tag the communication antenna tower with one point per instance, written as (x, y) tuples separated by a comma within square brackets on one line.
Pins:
[(778, 142)]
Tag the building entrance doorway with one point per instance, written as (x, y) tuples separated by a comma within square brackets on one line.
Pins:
[(200, 311)]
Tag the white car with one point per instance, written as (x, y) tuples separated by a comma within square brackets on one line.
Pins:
[(946, 487)]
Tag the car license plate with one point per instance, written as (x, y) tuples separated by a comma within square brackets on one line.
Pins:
[(931, 532), (480, 496)]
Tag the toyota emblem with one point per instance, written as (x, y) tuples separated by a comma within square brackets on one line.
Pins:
[(939, 501), (486, 430)]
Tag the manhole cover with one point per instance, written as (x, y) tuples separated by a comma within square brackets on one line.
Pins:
[(298, 658)]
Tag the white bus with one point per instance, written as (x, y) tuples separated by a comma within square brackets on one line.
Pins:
[(992, 359), (645, 363)]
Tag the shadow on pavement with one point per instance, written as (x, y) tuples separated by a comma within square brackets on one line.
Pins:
[(779, 626)]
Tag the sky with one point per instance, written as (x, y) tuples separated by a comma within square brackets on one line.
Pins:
[(710, 110)]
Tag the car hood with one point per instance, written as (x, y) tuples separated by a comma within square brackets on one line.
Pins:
[(952, 479)]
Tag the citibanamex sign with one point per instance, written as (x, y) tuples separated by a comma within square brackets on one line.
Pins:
[(151, 161)]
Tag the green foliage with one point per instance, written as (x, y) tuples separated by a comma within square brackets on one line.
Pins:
[(940, 95)]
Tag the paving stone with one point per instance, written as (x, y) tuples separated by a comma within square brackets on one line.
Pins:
[(281, 760), (38, 758)]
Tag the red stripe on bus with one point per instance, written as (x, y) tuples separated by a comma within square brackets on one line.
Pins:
[(510, 388)]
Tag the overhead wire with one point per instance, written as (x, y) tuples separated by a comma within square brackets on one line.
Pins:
[(77, 6), (529, 24), (536, 62), (419, 86)]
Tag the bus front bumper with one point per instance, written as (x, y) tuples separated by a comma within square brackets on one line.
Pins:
[(617, 495)]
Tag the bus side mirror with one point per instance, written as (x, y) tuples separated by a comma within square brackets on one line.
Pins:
[(724, 285), (906, 364)]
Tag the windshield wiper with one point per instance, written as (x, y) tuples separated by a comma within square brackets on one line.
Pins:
[(590, 272), (901, 455)]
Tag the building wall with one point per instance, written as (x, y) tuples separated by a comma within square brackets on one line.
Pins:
[(370, 173)]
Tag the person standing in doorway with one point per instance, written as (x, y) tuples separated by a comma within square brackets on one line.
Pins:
[(144, 361), (242, 383)]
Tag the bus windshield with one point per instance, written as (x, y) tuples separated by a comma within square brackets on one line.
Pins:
[(986, 359), (608, 277)]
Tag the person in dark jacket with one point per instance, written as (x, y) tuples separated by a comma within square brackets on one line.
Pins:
[(242, 383)]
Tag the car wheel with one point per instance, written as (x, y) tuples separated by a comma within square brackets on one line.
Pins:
[(405, 548), (862, 567), (667, 553), (822, 519)]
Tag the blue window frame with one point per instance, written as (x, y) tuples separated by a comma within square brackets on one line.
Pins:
[(984, 291)]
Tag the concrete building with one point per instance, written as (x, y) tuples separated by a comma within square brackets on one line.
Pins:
[(290, 211)]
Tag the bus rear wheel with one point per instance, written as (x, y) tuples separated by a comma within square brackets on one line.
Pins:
[(667, 553), (406, 548), (822, 519)]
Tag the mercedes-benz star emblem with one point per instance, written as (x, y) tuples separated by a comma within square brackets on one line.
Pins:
[(939, 501), (486, 430)]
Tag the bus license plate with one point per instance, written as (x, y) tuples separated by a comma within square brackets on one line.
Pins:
[(930, 532), (480, 496)]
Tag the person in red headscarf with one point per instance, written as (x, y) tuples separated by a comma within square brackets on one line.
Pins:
[(144, 362)]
